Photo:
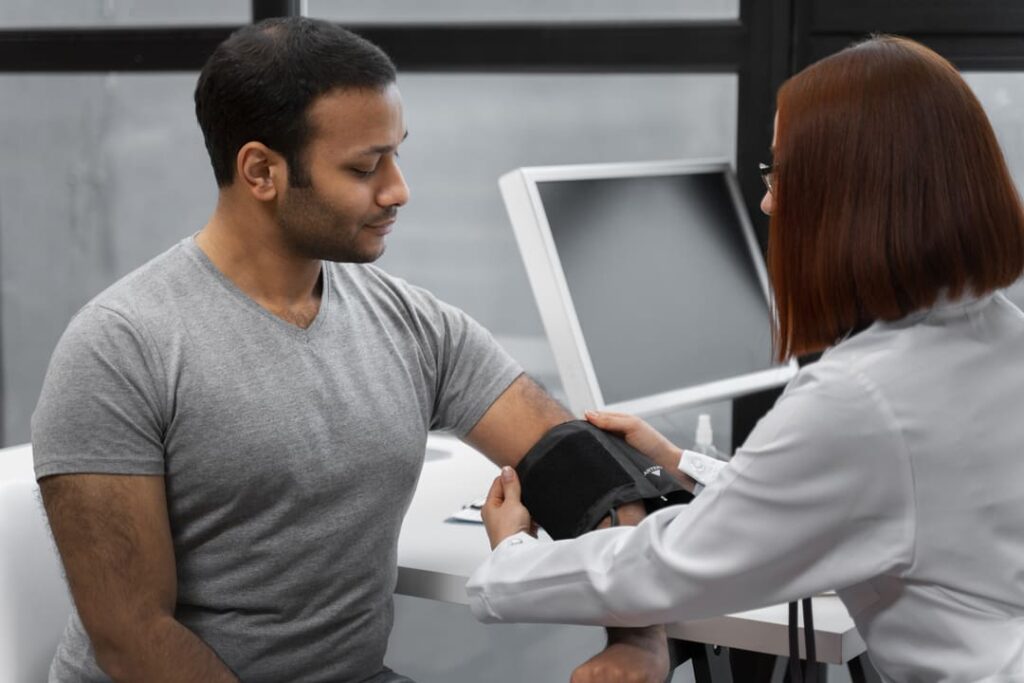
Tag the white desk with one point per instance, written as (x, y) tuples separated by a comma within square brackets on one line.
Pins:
[(435, 560), (16, 463)]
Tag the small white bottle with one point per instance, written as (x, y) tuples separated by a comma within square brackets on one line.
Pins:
[(704, 439)]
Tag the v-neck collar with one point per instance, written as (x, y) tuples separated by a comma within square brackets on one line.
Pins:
[(301, 332)]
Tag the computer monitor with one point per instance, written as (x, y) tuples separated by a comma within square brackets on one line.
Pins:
[(649, 280)]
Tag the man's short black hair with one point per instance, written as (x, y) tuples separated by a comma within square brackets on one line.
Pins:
[(259, 83)]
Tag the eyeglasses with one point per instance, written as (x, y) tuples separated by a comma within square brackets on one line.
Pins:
[(768, 176)]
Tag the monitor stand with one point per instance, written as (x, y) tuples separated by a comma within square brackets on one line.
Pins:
[(748, 409)]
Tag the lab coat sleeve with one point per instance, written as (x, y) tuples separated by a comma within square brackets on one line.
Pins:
[(820, 497)]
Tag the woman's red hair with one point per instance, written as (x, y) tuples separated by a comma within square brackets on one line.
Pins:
[(890, 189)]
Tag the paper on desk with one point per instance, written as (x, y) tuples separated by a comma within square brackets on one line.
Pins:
[(469, 513)]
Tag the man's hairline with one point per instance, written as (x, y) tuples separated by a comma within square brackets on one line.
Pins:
[(310, 129), (338, 90)]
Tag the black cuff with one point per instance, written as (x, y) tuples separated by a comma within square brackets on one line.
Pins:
[(577, 474)]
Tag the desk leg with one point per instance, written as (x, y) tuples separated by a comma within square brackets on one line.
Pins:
[(755, 667), (710, 663), (861, 670)]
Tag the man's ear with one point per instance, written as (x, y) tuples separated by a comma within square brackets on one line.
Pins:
[(260, 170)]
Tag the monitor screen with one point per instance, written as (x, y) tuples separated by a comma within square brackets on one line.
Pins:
[(649, 280)]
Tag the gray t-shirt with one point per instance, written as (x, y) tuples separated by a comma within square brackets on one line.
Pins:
[(290, 455)]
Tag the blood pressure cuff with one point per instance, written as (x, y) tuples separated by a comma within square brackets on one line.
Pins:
[(577, 474)]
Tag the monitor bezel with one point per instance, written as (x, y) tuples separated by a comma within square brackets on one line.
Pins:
[(554, 301)]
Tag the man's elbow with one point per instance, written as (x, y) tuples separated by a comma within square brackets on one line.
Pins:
[(124, 652), (114, 662), (117, 659)]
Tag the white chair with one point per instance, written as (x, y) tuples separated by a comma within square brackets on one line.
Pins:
[(34, 600)]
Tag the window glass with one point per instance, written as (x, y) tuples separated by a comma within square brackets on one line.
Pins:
[(60, 13), (110, 171), (1002, 96), (505, 11)]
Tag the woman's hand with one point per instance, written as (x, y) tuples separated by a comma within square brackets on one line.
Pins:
[(639, 435), (645, 439), (503, 513)]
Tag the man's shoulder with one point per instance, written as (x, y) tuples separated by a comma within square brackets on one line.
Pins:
[(378, 285), (367, 274), (148, 286)]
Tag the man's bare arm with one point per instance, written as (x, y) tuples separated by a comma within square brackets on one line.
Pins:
[(114, 539), (516, 421)]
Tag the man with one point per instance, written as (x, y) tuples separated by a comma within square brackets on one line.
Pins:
[(228, 437)]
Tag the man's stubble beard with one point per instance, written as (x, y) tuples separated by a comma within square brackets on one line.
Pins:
[(313, 230)]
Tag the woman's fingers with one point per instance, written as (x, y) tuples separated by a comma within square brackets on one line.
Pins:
[(613, 422), (510, 485), (496, 494), (503, 512), (637, 434)]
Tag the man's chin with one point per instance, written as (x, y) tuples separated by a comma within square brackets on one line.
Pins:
[(372, 256), (355, 255)]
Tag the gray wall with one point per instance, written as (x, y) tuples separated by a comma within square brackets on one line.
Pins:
[(97, 13), (1002, 95), (103, 173), (496, 11)]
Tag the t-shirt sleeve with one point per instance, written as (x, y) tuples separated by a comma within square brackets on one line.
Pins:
[(472, 370), (100, 410)]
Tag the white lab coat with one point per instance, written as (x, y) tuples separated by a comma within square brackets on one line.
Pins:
[(892, 471)]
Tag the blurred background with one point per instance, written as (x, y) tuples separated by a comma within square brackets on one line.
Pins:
[(103, 165)]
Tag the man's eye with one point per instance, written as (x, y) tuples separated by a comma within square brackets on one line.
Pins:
[(363, 173)]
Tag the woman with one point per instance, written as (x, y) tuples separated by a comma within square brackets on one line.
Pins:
[(891, 470)]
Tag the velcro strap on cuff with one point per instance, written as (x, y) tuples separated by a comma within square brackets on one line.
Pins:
[(576, 474)]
